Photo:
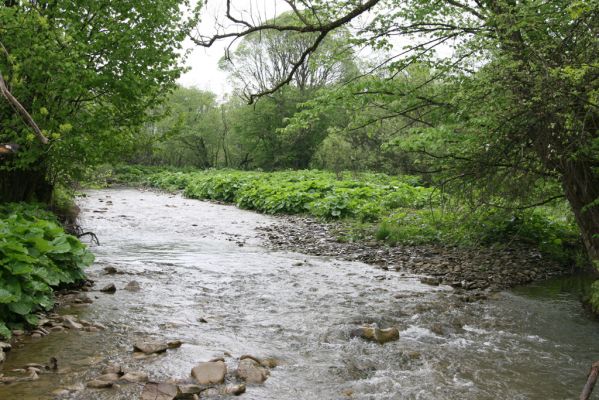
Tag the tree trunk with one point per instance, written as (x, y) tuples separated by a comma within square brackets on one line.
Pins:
[(25, 185), (581, 186)]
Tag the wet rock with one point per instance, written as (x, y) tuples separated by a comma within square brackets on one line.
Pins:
[(113, 369), (8, 379), (52, 364), (235, 390), (429, 280), (18, 332), (98, 384), (5, 346), (133, 286), (60, 392), (380, 336), (69, 322), (111, 377), (150, 347), (32, 370), (2, 357), (135, 377), (175, 344), (159, 391), (208, 373), (110, 270), (110, 288), (269, 362), (251, 371), (187, 391)]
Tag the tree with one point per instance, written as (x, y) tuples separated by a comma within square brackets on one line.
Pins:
[(188, 131), (86, 71), (521, 86), (263, 59)]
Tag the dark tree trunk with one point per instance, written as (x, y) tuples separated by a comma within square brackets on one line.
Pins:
[(24, 185), (581, 186)]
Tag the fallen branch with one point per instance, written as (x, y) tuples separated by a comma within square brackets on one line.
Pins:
[(24, 114), (94, 238), (592, 379)]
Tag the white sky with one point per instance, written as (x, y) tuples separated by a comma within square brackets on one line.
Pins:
[(204, 73)]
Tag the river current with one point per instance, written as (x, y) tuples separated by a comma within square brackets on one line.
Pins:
[(208, 281)]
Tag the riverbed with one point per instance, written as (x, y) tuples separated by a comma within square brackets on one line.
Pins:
[(208, 280)]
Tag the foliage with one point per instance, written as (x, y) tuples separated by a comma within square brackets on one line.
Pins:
[(70, 64), (36, 256)]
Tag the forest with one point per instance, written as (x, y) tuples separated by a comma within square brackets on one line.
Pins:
[(454, 129)]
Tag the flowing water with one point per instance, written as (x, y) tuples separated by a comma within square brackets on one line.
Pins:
[(207, 281)]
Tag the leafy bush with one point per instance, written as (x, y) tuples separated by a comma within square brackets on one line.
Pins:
[(36, 256)]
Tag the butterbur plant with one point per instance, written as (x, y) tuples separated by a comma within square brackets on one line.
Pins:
[(36, 257)]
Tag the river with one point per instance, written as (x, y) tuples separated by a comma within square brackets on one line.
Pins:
[(208, 281)]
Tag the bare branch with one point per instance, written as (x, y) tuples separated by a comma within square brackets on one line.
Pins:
[(21, 110), (319, 28)]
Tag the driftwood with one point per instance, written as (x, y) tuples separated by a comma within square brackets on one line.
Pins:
[(592, 379)]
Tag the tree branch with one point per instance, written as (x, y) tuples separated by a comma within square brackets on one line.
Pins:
[(21, 110)]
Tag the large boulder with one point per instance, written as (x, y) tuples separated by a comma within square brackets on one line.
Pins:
[(209, 373)]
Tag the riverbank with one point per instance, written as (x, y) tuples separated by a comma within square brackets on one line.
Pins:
[(478, 269)]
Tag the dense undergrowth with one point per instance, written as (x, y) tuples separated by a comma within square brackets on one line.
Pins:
[(36, 257), (398, 210)]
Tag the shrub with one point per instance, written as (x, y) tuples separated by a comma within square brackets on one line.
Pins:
[(36, 256)]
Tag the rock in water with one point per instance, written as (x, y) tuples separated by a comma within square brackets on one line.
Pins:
[(187, 391), (110, 270), (159, 391), (208, 373), (112, 377), (135, 377), (110, 288), (235, 389), (150, 347), (98, 384), (69, 322), (429, 280), (251, 371), (380, 336), (133, 286)]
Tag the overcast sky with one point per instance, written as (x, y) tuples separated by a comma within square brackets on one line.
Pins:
[(203, 62)]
